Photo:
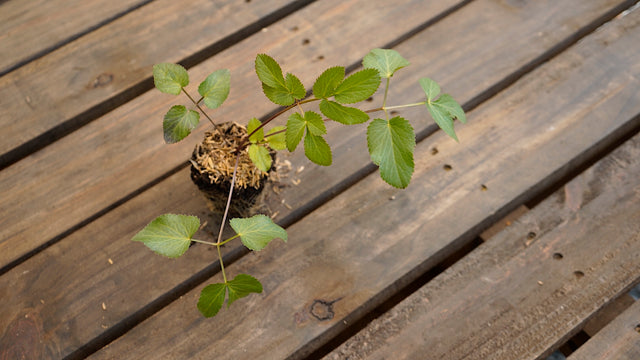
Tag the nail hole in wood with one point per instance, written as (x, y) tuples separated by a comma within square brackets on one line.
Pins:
[(370, 99), (295, 28), (531, 235), (434, 150), (638, 328), (447, 167), (483, 187), (320, 57), (306, 42), (578, 274), (558, 256)]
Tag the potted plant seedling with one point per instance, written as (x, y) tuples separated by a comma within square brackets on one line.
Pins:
[(235, 160)]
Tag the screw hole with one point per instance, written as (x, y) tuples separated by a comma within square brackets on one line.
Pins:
[(447, 167), (434, 150), (578, 274), (484, 187), (306, 42), (558, 256), (531, 235)]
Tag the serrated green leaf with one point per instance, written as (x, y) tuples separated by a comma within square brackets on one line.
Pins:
[(295, 130), (295, 87), (260, 157), (358, 87), (279, 95), (169, 234), (317, 150), (430, 87), (315, 124), (257, 231), (342, 114), (170, 78), (215, 88), (277, 141), (386, 61), (211, 299), (269, 72), (254, 123), (451, 106), (326, 84), (241, 286), (442, 117), (178, 123), (391, 145)]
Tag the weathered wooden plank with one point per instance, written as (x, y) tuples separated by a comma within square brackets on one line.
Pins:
[(88, 181), (59, 92), (349, 255), (519, 296), (619, 340), (31, 28)]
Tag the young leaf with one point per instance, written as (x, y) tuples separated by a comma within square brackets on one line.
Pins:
[(295, 130), (211, 299), (343, 114), (257, 231), (315, 124), (169, 234), (296, 125), (454, 109), (386, 61), (241, 286), (277, 141), (326, 84), (317, 150), (391, 145), (254, 123), (295, 87), (260, 157), (358, 87), (269, 72), (430, 87), (279, 95), (170, 78), (443, 119), (215, 88), (178, 123)]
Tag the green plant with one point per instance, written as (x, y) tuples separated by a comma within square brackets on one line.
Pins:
[(391, 142)]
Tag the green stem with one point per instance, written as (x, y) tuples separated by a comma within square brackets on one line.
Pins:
[(197, 104), (405, 105), (384, 100), (275, 133), (224, 275), (204, 242), (229, 239)]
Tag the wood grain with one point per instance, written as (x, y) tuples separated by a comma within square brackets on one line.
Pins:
[(520, 296), (92, 168), (54, 94), (360, 247), (31, 28), (619, 340)]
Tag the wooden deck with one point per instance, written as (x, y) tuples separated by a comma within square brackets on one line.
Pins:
[(520, 241)]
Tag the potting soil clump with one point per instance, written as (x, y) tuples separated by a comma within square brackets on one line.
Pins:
[(212, 164)]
